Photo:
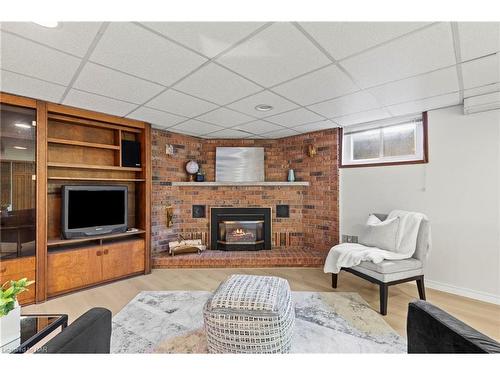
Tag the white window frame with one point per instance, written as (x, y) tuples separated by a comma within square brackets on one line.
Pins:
[(420, 156)]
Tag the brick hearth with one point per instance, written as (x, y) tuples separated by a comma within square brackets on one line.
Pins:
[(309, 232), (247, 259)]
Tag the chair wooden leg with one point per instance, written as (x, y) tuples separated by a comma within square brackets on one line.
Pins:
[(334, 280), (421, 288), (384, 295)]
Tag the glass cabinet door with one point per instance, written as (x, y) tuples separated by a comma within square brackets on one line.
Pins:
[(17, 181)]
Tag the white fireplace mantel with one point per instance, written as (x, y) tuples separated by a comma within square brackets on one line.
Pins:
[(249, 183)]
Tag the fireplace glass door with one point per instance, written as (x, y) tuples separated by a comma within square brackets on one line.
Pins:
[(241, 232), (240, 228)]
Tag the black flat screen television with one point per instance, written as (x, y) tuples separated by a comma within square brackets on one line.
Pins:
[(89, 210)]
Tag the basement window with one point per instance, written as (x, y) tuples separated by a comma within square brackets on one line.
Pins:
[(387, 142)]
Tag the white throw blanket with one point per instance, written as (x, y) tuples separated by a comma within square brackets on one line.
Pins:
[(352, 254)]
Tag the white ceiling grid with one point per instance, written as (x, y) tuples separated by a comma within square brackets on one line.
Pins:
[(206, 78)]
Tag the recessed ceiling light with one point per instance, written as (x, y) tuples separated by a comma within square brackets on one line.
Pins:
[(264, 107), (21, 125), (20, 148), (49, 24)]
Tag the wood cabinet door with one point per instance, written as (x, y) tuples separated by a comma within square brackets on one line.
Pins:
[(122, 258), (72, 269), (15, 269)]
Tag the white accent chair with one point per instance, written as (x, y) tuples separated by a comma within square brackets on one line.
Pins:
[(391, 272)]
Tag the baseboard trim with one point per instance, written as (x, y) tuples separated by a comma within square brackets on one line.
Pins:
[(464, 292)]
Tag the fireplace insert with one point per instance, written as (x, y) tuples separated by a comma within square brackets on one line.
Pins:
[(234, 228)]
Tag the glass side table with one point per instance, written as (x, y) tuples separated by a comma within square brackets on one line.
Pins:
[(35, 327)]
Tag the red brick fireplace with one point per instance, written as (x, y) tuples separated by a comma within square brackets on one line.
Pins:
[(301, 239)]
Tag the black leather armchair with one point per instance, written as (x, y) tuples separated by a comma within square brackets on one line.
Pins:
[(432, 330), (90, 333)]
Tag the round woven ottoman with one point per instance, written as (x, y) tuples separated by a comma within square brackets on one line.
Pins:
[(250, 314)]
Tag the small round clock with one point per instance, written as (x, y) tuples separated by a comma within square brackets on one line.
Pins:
[(192, 168)]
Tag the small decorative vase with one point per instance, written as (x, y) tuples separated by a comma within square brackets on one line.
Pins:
[(291, 175), (199, 177), (10, 326)]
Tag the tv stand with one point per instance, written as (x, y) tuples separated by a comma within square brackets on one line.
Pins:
[(78, 265)]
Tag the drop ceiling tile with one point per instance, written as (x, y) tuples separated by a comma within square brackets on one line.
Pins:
[(172, 130), (29, 58), (481, 72), (225, 117), (323, 84), (195, 127), (342, 39), (487, 89), (362, 117), (425, 104), (153, 116), (316, 126), (478, 39), (71, 37), (278, 53), (423, 86), (21, 85), (132, 49), (294, 118), (154, 126), (280, 134), (97, 103), (259, 127), (352, 103), (227, 134), (179, 103), (216, 84), (108, 82), (419, 52), (208, 38), (248, 104)]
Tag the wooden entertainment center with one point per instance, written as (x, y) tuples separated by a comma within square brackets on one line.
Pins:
[(77, 147)]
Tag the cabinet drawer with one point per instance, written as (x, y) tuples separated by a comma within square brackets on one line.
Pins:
[(15, 269), (15, 266), (27, 296), (122, 258)]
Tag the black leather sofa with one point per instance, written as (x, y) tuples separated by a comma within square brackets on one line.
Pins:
[(90, 333), (432, 330)]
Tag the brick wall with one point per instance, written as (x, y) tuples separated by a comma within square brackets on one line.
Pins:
[(166, 169), (313, 221), (320, 212)]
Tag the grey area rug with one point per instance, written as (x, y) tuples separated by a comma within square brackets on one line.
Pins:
[(326, 322)]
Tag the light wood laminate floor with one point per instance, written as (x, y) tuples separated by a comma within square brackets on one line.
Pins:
[(483, 316)]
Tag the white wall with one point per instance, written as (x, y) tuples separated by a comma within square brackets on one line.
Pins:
[(459, 190)]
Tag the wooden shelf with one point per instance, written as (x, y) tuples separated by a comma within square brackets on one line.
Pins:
[(83, 144), (88, 122), (61, 178), (60, 242), (94, 166), (249, 183)]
